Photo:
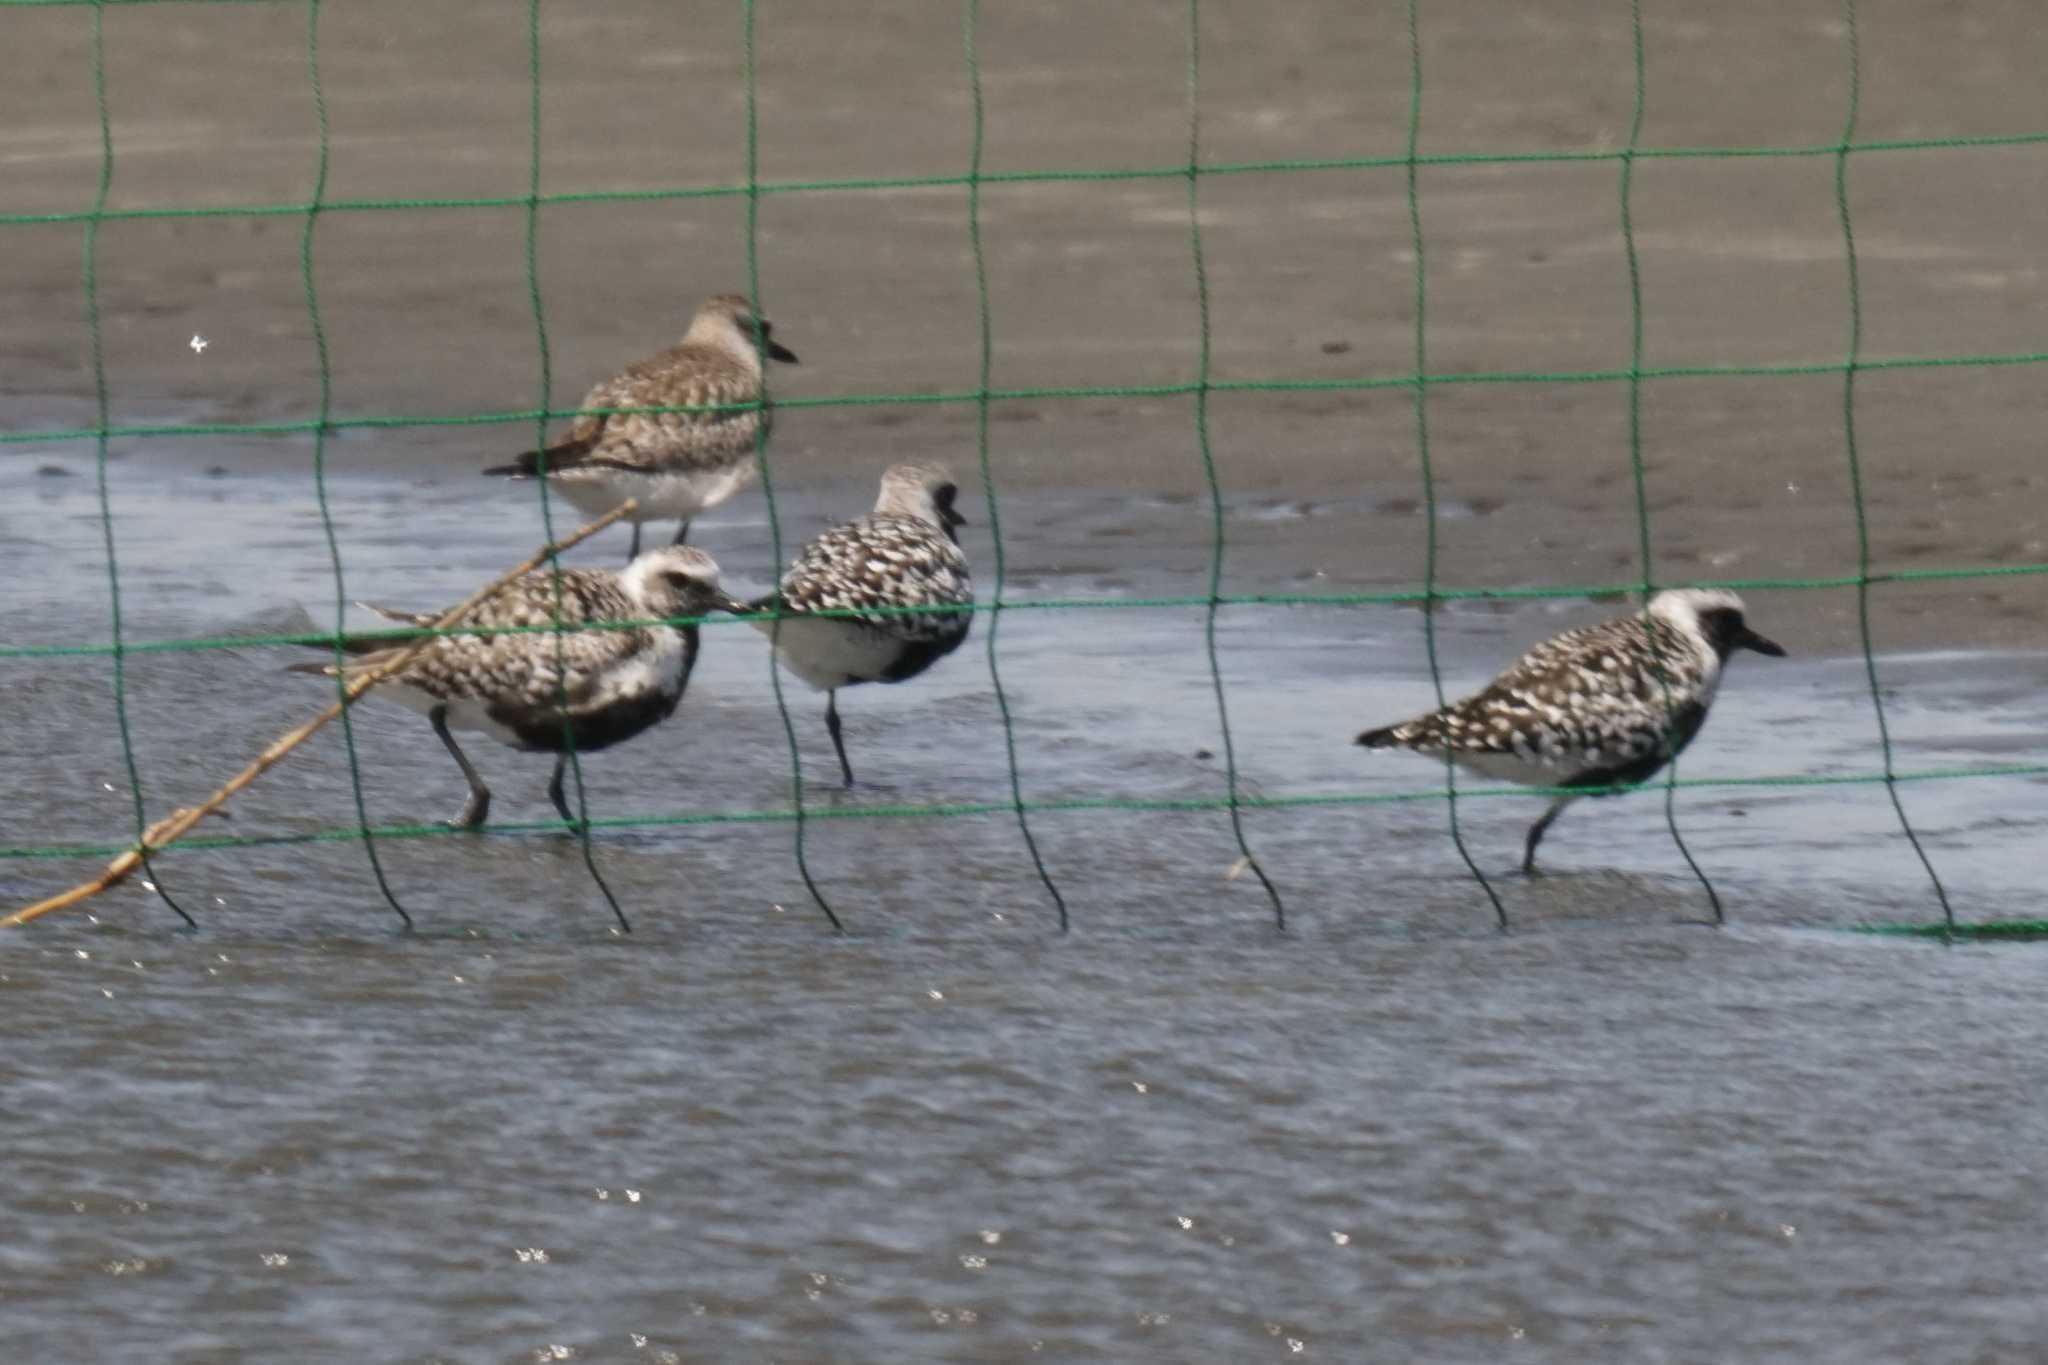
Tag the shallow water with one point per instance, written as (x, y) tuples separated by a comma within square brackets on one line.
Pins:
[(1393, 1134), (953, 1134)]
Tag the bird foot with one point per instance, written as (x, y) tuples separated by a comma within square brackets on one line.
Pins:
[(472, 815)]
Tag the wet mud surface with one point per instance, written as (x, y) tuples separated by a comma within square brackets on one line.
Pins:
[(954, 1134)]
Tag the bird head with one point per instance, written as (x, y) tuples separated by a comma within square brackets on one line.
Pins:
[(730, 320), (924, 491)]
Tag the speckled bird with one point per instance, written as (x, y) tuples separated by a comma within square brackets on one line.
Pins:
[(1595, 707), (903, 554), (513, 687), (675, 463)]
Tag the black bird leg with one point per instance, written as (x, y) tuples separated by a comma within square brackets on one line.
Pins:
[(555, 788), (682, 532), (1536, 834), (479, 804), (832, 725), (634, 553)]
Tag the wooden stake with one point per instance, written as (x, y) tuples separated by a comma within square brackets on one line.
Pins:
[(174, 826)]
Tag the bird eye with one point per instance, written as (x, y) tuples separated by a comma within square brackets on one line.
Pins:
[(944, 494)]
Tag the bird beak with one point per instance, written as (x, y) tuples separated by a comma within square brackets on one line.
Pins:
[(735, 606), (777, 351), (951, 518), (1749, 639)]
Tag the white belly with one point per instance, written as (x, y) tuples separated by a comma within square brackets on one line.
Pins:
[(1510, 768), (829, 652), (462, 714), (664, 495)]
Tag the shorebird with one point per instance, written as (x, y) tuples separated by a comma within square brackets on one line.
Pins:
[(512, 687), (676, 463), (903, 554), (1600, 706)]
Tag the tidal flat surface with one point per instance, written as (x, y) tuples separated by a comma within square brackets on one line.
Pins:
[(953, 1134)]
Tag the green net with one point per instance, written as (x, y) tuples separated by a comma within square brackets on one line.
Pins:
[(1231, 798)]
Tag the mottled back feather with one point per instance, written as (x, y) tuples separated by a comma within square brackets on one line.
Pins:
[(524, 670), (1593, 701), (885, 561), (688, 375)]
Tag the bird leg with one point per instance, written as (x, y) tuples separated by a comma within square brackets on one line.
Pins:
[(682, 532), (1536, 834), (832, 726), (479, 804), (555, 789), (634, 553)]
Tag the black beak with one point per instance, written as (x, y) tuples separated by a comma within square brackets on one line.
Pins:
[(1749, 639), (951, 517), (777, 351)]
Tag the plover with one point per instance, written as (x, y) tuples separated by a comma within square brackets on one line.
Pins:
[(1594, 707), (676, 463), (904, 554), (512, 687)]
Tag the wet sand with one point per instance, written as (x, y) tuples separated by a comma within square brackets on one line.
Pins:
[(952, 1135)]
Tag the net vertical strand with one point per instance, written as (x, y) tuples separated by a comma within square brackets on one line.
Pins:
[(540, 443), (1216, 543), (320, 432), (1635, 447), (103, 406), (1420, 384), (1851, 452), (988, 483), (796, 760)]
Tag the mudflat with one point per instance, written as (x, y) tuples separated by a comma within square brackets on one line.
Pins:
[(1311, 273)]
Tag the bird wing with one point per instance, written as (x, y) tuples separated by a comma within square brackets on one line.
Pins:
[(1582, 698), (528, 664), (682, 377), (883, 561)]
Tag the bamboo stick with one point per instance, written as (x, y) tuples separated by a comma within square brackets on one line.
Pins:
[(174, 826)]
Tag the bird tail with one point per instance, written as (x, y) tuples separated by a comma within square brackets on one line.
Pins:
[(559, 456), (522, 467), (1422, 732), (357, 647), (404, 618)]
